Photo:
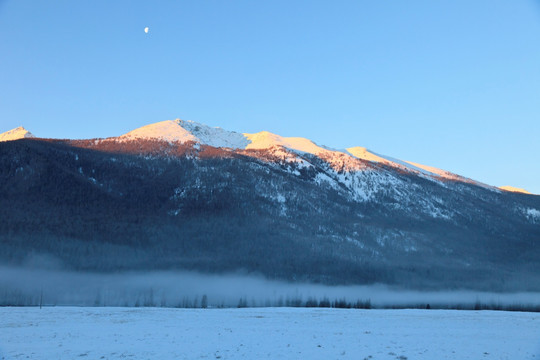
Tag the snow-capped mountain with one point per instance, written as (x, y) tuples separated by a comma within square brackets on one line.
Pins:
[(179, 194), (190, 131), (15, 134), (185, 131)]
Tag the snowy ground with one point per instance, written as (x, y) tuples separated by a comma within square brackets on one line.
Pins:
[(270, 333)]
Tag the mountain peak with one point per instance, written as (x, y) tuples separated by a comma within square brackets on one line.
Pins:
[(16, 134), (187, 130), (167, 130)]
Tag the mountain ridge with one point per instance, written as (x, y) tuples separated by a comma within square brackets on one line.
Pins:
[(183, 131)]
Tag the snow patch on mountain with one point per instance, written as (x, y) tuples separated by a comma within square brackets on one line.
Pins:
[(265, 140), (367, 185), (302, 146), (426, 172), (433, 170), (419, 169), (322, 178), (281, 200), (434, 211), (16, 134), (514, 189), (449, 175), (214, 136), (167, 130), (365, 154), (533, 214)]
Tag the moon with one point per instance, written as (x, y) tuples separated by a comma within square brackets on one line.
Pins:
[(146, 29)]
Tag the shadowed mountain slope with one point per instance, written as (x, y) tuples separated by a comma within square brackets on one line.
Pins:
[(152, 203)]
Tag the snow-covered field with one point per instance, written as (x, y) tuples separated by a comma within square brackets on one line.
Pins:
[(270, 333)]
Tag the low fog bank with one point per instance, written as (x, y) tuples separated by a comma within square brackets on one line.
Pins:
[(25, 286)]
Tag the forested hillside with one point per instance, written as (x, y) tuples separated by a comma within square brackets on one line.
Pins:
[(107, 205)]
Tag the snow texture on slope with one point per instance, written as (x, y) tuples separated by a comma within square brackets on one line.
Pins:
[(368, 155), (214, 136), (365, 154), (265, 140)]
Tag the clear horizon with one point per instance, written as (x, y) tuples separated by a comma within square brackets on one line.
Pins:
[(451, 85)]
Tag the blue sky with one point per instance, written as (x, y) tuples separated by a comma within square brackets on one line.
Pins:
[(453, 84)]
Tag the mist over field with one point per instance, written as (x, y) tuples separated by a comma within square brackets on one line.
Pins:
[(30, 286)]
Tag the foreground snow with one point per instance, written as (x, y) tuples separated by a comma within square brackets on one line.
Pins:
[(156, 333)]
